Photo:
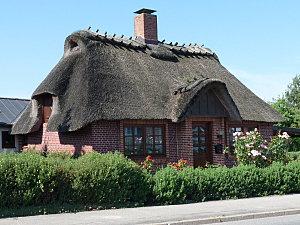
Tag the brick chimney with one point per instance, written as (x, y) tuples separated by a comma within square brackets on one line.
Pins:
[(145, 26)]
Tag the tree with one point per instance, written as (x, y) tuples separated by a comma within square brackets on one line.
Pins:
[(289, 104)]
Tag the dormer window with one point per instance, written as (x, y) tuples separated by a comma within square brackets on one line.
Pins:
[(73, 46), (47, 103)]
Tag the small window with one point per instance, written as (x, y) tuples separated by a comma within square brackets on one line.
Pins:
[(73, 46), (8, 140), (47, 103), (144, 140), (232, 130), (199, 139)]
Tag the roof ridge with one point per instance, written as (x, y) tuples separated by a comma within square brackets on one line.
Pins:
[(133, 42), (10, 98)]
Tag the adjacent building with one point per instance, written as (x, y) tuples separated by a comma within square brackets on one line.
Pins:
[(10, 109)]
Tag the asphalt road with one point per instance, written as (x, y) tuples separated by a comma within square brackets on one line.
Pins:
[(278, 220)]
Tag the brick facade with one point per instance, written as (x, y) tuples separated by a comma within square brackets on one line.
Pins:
[(104, 136)]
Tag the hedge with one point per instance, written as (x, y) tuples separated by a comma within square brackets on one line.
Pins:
[(29, 179), (196, 185), (111, 180)]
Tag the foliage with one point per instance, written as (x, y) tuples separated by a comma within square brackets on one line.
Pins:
[(29, 179), (294, 144), (181, 164), (195, 185), (289, 105), (294, 155), (108, 179), (34, 184), (251, 149), (148, 163)]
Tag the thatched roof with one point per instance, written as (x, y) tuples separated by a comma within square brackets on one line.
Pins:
[(103, 77)]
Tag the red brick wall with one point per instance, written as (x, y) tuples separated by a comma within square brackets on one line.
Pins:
[(185, 144), (101, 136), (104, 136)]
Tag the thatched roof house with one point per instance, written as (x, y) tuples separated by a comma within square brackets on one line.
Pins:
[(104, 79)]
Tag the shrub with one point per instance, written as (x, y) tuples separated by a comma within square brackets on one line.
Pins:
[(294, 145), (109, 179), (252, 149), (29, 179), (195, 185), (294, 155)]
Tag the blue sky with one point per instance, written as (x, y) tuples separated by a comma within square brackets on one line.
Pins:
[(258, 41)]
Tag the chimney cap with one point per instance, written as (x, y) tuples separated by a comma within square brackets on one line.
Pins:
[(144, 10)]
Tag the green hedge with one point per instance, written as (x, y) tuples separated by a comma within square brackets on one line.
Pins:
[(111, 180), (294, 155), (28, 179), (196, 185)]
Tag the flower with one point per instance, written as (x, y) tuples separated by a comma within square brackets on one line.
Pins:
[(237, 134), (255, 153), (264, 157), (248, 145), (285, 135), (149, 158), (264, 146)]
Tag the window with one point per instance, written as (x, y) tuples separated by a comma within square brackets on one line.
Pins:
[(47, 103), (144, 140), (199, 139), (8, 140), (232, 130)]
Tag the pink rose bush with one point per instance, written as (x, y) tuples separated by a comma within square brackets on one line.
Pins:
[(251, 149)]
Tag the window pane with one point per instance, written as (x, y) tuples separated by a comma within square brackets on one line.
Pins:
[(128, 141), (8, 140), (195, 128), (149, 131), (138, 149), (195, 149), (158, 131), (201, 130), (202, 149), (149, 149), (158, 139), (128, 149), (138, 132), (149, 140), (195, 131), (159, 149), (202, 139), (138, 140), (128, 131), (195, 140)]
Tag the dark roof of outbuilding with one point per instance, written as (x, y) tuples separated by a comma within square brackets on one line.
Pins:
[(10, 109), (109, 77)]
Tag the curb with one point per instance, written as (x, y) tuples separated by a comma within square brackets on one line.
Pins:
[(220, 219)]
